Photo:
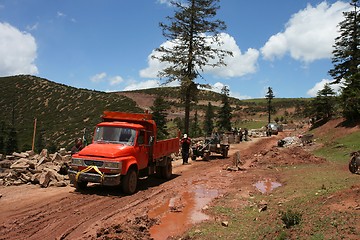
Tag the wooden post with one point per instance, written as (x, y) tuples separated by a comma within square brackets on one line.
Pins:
[(33, 141)]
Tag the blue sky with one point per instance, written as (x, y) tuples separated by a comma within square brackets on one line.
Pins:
[(106, 45)]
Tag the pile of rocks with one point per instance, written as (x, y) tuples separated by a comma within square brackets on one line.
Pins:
[(30, 168)]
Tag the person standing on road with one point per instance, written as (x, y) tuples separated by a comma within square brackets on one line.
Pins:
[(185, 148), (78, 146)]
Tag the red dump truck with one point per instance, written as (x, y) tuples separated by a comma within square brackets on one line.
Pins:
[(124, 148)]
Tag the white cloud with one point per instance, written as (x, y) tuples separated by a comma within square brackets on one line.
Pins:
[(103, 78), (218, 86), (320, 85), (238, 65), (116, 80), (32, 27), (60, 14), (18, 51), (142, 85), (309, 34), (154, 65), (167, 2), (98, 77)]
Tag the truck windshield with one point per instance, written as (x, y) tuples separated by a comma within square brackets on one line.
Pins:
[(115, 135)]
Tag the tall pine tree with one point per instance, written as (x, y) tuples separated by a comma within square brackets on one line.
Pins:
[(159, 114), (346, 60), (11, 143), (195, 126), (224, 114), (192, 31), (324, 103), (269, 96), (2, 137), (209, 120)]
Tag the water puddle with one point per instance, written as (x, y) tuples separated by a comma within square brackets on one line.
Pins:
[(180, 212), (266, 186)]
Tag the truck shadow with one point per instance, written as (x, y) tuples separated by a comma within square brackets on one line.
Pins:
[(115, 191), (153, 181)]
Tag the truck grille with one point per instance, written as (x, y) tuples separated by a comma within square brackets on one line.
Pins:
[(93, 163)]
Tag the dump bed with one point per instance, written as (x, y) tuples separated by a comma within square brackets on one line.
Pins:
[(165, 147), (144, 119)]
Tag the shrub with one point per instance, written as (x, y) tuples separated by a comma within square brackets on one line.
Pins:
[(291, 218)]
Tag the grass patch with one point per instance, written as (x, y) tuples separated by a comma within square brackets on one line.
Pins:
[(339, 151), (295, 210), (252, 124)]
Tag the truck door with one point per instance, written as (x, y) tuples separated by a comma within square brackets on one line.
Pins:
[(142, 150)]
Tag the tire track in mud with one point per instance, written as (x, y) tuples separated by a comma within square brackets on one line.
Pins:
[(54, 217), (70, 216), (62, 214)]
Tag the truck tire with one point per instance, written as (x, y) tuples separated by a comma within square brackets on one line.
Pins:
[(206, 156), (225, 153), (166, 171), (80, 185), (129, 182), (354, 164)]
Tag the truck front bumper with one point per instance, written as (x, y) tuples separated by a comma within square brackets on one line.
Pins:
[(106, 180)]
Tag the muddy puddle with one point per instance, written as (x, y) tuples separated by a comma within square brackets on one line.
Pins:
[(267, 185), (180, 212)]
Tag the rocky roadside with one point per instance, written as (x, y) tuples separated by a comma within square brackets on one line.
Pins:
[(29, 168)]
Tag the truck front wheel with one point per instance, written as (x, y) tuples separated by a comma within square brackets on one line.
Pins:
[(80, 185), (129, 182), (225, 153)]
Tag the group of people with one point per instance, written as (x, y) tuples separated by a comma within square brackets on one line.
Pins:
[(186, 142), (243, 133), (77, 146)]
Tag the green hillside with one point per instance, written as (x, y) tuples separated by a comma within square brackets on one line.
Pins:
[(62, 112)]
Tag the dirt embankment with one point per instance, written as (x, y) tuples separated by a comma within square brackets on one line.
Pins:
[(158, 210)]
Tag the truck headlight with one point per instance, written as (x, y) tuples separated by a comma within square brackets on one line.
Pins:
[(77, 161), (115, 165)]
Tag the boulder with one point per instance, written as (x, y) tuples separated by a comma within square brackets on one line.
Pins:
[(20, 155), (22, 163), (6, 163), (62, 151)]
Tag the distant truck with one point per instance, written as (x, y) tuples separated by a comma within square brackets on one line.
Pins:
[(124, 148)]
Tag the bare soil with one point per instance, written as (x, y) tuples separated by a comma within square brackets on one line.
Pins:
[(159, 210)]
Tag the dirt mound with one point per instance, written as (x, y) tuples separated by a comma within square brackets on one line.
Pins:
[(277, 156), (337, 128), (135, 229)]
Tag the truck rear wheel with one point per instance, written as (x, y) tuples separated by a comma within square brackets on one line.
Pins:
[(166, 171), (129, 182)]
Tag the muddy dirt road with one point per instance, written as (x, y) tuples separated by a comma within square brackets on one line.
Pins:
[(158, 210)]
